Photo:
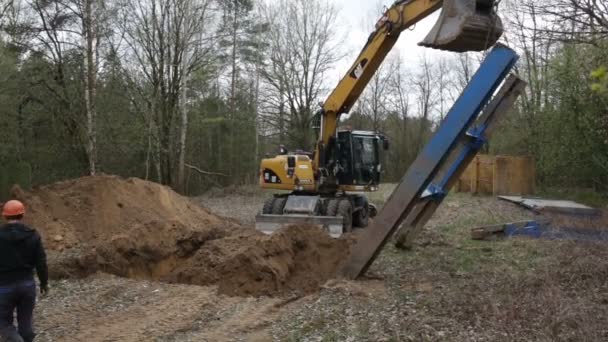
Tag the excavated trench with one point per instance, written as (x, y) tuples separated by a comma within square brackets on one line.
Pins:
[(142, 230)]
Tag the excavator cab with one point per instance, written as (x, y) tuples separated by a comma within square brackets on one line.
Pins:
[(359, 157), (465, 25)]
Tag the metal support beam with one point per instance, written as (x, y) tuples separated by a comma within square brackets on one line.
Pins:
[(460, 158), (428, 163)]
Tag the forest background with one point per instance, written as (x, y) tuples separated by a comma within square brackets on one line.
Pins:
[(193, 93)]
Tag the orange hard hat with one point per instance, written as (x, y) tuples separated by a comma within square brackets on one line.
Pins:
[(13, 208)]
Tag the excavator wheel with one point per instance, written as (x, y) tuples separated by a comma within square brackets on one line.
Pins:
[(278, 205), (10, 336), (268, 204), (465, 25), (361, 217), (345, 209), (332, 207)]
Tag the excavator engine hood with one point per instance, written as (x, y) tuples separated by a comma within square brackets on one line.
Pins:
[(465, 25)]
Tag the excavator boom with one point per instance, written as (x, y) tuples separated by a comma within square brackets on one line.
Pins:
[(464, 25)]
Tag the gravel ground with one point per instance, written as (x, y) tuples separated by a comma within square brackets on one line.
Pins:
[(108, 308), (447, 288), (241, 203)]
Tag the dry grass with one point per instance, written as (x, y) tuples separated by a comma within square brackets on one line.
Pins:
[(451, 288)]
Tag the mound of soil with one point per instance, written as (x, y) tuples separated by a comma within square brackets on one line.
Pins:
[(139, 229), (296, 259), (93, 209)]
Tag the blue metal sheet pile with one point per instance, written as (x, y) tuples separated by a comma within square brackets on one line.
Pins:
[(553, 227), (453, 145), (536, 229)]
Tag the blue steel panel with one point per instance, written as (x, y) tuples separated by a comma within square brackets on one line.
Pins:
[(465, 110), (468, 106), (478, 139), (476, 95)]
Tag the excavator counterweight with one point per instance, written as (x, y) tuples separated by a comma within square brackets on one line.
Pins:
[(465, 25)]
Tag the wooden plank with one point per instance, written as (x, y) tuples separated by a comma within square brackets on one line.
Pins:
[(512, 199), (475, 177), (556, 206), (501, 175)]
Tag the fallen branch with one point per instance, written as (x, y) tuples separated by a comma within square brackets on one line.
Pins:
[(192, 167)]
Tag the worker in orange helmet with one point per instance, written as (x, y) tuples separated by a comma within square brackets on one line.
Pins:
[(21, 251)]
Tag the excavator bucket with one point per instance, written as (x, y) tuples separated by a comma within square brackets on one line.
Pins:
[(465, 25)]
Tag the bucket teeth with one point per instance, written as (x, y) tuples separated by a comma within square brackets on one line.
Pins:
[(465, 25)]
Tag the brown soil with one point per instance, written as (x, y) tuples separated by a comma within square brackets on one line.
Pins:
[(138, 229), (297, 259)]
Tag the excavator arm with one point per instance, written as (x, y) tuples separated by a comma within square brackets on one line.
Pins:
[(464, 25)]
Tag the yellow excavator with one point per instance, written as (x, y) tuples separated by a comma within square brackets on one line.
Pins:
[(323, 188)]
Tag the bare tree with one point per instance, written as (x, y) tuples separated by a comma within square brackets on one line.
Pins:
[(400, 102), (167, 40), (463, 67), (241, 52), (51, 34), (532, 35), (585, 20), (426, 93), (5, 7), (444, 85), (374, 100), (92, 20), (303, 47), (72, 27)]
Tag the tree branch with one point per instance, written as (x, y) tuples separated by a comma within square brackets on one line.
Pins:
[(203, 172)]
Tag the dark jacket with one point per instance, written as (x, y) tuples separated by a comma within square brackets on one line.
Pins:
[(21, 251)]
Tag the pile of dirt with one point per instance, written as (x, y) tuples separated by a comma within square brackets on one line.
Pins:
[(94, 209), (142, 230), (296, 259)]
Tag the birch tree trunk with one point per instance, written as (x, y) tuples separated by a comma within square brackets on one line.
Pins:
[(168, 41), (182, 139), (91, 45)]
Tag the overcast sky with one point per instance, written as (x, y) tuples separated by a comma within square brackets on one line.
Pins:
[(356, 20)]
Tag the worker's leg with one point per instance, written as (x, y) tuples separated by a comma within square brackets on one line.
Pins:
[(25, 310), (7, 309)]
